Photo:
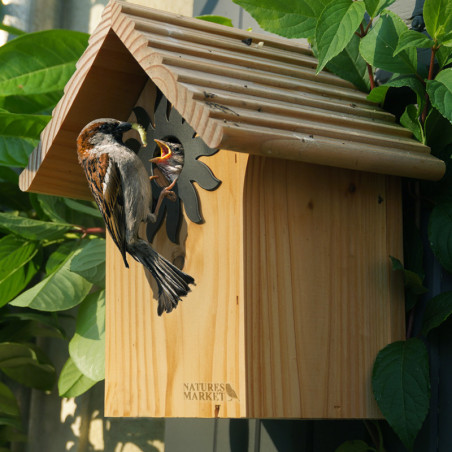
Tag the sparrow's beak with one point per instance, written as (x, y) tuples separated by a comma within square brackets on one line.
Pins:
[(165, 151), (123, 127)]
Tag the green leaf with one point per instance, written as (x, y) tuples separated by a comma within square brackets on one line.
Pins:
[(61, 290), (216, 19), (440, 92), (26, 326), (412, 38), (437, 310), (87, 347), (350, 65), (90, 262), (8, 402), (40, 62), (355, 446), (378, 46), (374, 7), (57, 258), (86, 207), (32, 229), (19, 135), (15, 253), (26, 364), (440, 234), (445, 40), (410, 120), (401, 386), (438, 17), (72, 382), (289, 18), (336, 27)]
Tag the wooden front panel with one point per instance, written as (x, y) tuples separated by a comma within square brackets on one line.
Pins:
[(320, 297), (189, 362)]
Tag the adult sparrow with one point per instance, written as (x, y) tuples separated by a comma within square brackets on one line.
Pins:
[(120, 185)]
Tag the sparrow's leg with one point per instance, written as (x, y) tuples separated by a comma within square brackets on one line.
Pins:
[(165, 193)]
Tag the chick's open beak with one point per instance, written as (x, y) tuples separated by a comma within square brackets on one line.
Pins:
[(165, 151)]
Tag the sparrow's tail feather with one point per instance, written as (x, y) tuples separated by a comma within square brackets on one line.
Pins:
[(172, 282)]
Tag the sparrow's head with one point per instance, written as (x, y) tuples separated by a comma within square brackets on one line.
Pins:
[(101, 131)]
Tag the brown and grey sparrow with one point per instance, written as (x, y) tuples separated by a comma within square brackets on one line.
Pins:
[(120, 185)]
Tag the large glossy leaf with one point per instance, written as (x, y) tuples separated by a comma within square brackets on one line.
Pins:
[(350, 65), (26, 364), (438, 17), (336, 27), (32, 229), (40, 62), (87, 347), (378, 47), (72, 382), (90, 262), (401, 386), (289, 18), (15, 253), (19, 135), (440, 92), (61, 290), (437, 310), (440, 233)]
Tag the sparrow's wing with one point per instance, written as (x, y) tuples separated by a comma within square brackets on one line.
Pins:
[(105, 183)]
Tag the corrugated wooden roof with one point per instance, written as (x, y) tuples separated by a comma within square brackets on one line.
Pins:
[(240, 91)]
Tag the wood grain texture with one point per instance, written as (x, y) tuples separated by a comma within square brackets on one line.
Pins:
[(321, 300), (230, 90), (185, 363), (294, 299)]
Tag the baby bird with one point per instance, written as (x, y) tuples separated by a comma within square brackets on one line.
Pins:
[(120, 185), (170, 163)]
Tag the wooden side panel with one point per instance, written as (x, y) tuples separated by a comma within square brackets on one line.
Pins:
[(319, 297), (190, 362)]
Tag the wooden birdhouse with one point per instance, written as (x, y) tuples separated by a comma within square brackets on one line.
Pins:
[(287, 229)]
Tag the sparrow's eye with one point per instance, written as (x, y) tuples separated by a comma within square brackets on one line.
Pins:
[(104, 127)]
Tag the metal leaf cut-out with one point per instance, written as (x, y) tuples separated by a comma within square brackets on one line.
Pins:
[(167, 124)]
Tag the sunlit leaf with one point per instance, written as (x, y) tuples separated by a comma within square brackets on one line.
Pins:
[(216, 19), (438, 17), (336, 27), (379, 45), (61, 290), (87, 347), (72, 382), (289, 18)]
